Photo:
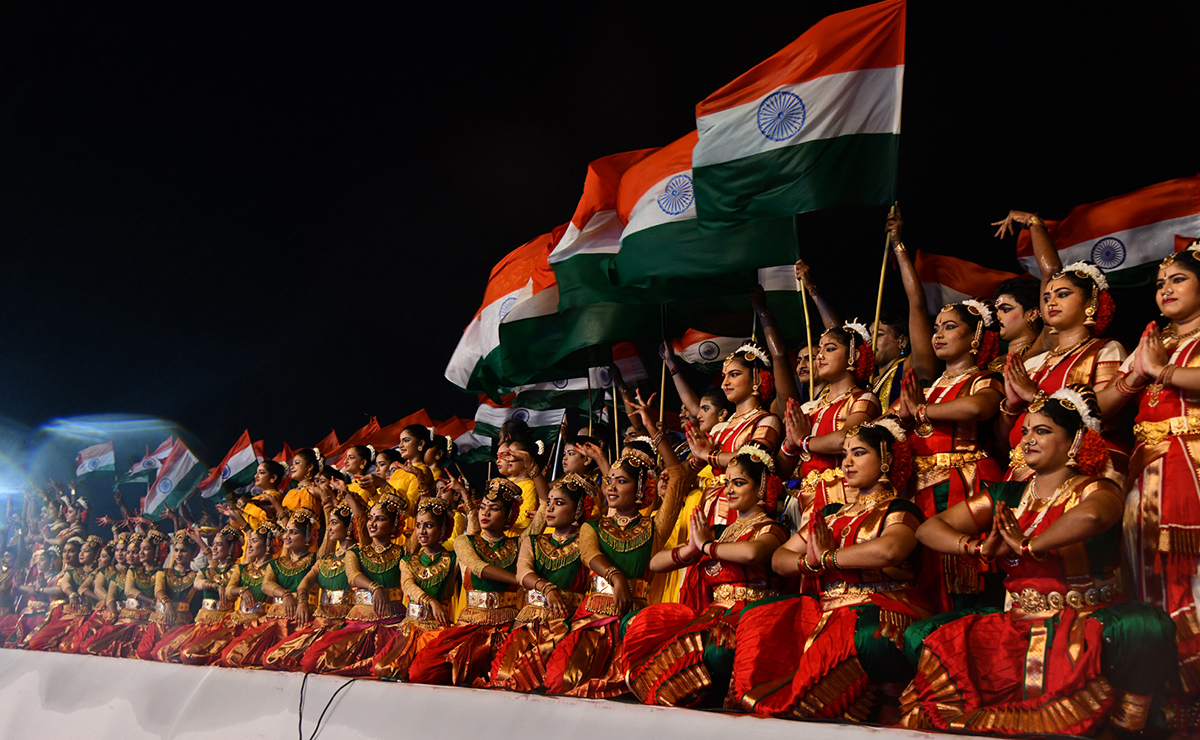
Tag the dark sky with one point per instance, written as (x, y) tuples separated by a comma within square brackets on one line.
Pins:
[(282, 220)]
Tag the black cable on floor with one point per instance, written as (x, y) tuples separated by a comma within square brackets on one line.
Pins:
[(300, 709)]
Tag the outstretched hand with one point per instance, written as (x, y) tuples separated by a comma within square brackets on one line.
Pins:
[(1010, 223)]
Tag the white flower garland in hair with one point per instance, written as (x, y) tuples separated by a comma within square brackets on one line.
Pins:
[(860, 329), (371, 449), (982, 310), (1076, 399), (759, 454), (1091, 271), (541, 447), (892, 425), (754, 352), (643, 438)]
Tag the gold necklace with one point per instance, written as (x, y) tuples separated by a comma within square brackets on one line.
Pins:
[(742, 414), (740, 526), (1069, 350), (947, 376), (862, 503), (1054, 496)]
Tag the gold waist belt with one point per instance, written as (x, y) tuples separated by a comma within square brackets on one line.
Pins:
[(493, 599), (212, 605), (731, 592), (367, 598), (637, 587), (828, 475), (311, 598), (947, 460), (1033, 601), (537, 598), (1153, 432), (335, 598), (162, 608)]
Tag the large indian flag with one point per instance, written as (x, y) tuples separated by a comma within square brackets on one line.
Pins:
[(236, 470), (816, 125), (1126, 236), (950, 280), (96, 459), (704, 350), (179, 475), (662, 246), (564, 393)]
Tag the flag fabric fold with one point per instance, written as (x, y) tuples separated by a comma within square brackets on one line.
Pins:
[(235, 471), (146, 469), (1127, 235), (99, 458), (814, 126), (950, 280), (179, 475)]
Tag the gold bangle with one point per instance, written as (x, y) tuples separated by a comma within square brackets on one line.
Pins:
[(1034, 220)]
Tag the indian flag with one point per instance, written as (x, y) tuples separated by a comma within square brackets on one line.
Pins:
[(1126, 236), (544, 424), (662, 246), (950, 280), (96, 459), (146, 469), (582, 257), (730, 315), (814, 126), (564, 393), (179, 475), (705, 350), (236, 470)]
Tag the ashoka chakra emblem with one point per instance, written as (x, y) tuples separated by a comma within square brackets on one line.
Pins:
[(226, 472), (678, 195), (507, 306), (521, 414), (709, 350), (165, 485), (92, 464), (560, 384), (781, 115), (604, 378), (1108, 253)]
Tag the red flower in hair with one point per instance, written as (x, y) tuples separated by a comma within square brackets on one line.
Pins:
[(1106, 309), (766, 385), (1092, 457), (864, 362), (901, 466), (989, 348), (774, 487)]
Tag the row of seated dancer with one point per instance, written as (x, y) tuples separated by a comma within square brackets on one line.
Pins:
[(943, 538)]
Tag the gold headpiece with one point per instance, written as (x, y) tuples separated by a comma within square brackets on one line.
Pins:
[(304, 514), (156, 537), (179, 537), (1071, 399), (392, 503), (94, 542), (231, 533), (1193, 247), (344, 512), (135, 539), (122, 539), (432, 505), (576, 482), (636, 458), (502, 489)]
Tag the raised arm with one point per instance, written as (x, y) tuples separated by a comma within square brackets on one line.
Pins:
[(829, 317), (781, 365), (920, 328), (687, 394)]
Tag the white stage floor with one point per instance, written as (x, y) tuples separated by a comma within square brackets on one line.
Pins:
[(46, 695)]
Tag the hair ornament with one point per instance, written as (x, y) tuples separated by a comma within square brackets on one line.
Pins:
[(304, 514), (392, 503), (977, 308), (80, 503), (1193, 247), (449, 443), (94, 542), (231, 533), (636, 458), (1071, 399), (502, 489), (858, 328), (52, 549), (1083, 269), (179, 537), (541, 447), (371, 450), (644, 438), (752, 352), (76, 540), (576, 482), (432, 505), (344, 512), (758, 454), (156, 537)]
